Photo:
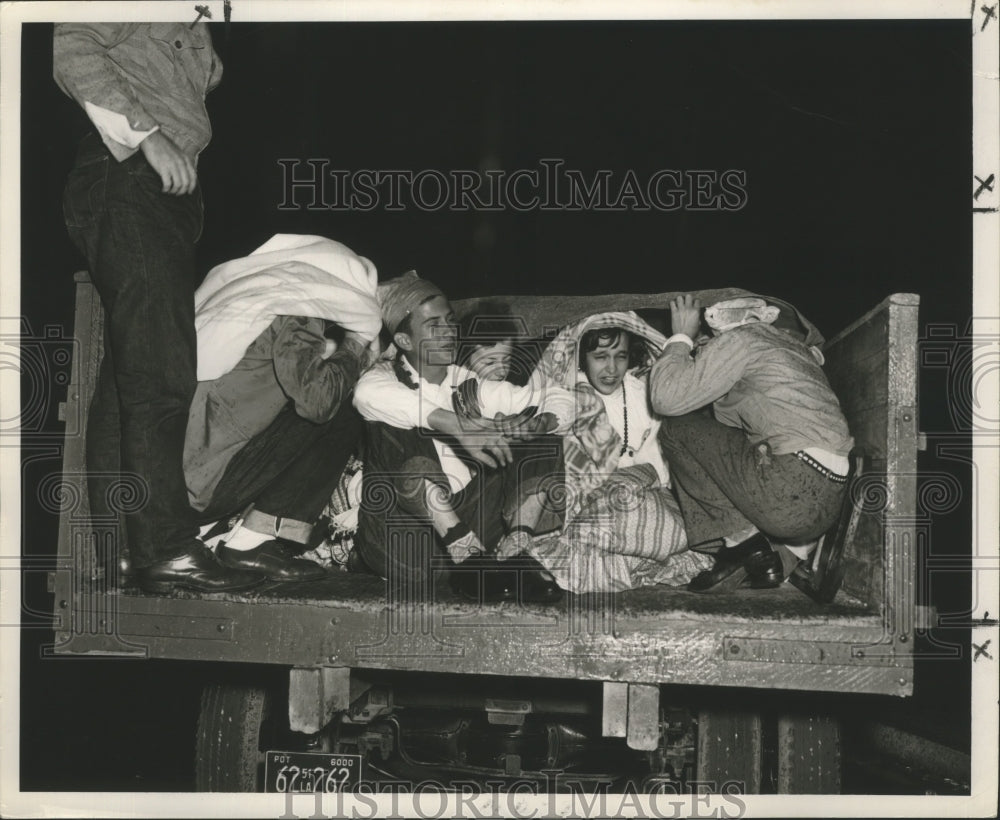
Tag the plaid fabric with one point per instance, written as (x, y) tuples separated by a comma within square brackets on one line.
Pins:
[(341, 518), (622, 529), (627, 533), (591, 448)]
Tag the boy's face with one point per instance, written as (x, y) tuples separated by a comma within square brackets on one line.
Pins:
[(492, 362), (433, 334), (605, 366)]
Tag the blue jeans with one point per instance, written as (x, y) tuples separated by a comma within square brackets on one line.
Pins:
[(140, 245), (724, 484)]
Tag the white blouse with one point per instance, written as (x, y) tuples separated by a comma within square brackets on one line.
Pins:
[(642, 446)]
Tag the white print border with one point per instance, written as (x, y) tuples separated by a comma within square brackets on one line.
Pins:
[(984, 24)]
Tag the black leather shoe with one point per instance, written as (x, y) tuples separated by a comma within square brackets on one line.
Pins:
[(199, 570), (483, 579), (732, 566), (355, 563), (764, 570), (275, 560), (536, 584)]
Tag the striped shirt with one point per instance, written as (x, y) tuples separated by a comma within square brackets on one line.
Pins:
[(761, 380)]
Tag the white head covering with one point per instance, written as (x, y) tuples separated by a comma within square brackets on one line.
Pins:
[(736, 312), (289, 275)]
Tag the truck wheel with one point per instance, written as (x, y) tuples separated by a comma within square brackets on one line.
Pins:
[(228, 757), (808, 754)]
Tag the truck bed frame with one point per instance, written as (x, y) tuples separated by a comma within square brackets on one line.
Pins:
[(861, 642)]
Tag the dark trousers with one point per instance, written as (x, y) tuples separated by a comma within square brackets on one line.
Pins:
[(724, 484), (395, 536), (140, 246), (290, 469)]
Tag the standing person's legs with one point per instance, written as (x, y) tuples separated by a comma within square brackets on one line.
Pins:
[(140, 246)]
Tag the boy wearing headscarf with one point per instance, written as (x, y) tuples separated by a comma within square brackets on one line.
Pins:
[(442, 481), (770, 461)]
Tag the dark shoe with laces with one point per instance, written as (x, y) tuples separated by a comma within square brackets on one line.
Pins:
[(483, 579), (275, 560), (197, 569), (536, 585), (764, 570), (733, 567)]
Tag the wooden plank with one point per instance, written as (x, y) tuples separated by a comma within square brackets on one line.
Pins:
[(868, 426), (872, 368), (907, 299), (863, 577), (864, 387), (543, 315), (901, 464), (674, 650), (87, 327)]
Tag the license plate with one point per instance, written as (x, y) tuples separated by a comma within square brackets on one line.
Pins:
[(308, 772)]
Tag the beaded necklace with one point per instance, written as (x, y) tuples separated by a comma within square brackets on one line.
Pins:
[(625, 447)]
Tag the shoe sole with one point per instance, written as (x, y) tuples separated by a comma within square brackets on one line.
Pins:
[(310, 579), (731, 582), (763, 583), (160, 587), (274, 577)]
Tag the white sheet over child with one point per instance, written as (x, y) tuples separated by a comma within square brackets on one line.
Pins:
[(289, 275)]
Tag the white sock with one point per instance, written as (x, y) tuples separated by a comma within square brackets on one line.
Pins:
[(740, 537), (212, 542), (801, 551), (243, 539), (465, 547)]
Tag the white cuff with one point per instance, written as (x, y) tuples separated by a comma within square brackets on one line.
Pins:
[(681, 337), (116, 126)]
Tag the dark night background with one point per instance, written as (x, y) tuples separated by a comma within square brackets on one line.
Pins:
[(855, 139)]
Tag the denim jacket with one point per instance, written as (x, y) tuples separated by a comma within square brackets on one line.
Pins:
[(153, 74)]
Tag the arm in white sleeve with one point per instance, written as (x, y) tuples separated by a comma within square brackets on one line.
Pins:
[(380, 396), (510, 399)]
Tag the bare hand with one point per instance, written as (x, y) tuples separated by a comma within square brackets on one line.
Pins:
[(176, 169), (490, 450), (524, 429), (685, 315)]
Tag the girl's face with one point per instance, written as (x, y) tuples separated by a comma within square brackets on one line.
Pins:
[(492, 362), (605, 366)]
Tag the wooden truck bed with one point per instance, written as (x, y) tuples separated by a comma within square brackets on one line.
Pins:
[(861, 642)]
